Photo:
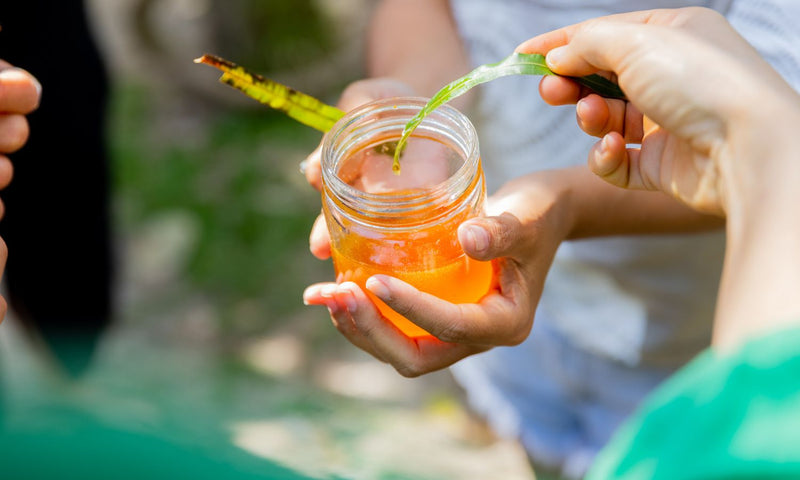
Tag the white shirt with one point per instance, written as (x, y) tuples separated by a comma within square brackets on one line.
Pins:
[(617, 314), (636, 299)]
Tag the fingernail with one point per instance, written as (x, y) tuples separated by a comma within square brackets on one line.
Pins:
[(378, 286), (303, 165), (554, 57), (38, 87), (478, 236), (580, 107), (19, 74), (603, 147), (349, 299), (307, 293), (328, 291)]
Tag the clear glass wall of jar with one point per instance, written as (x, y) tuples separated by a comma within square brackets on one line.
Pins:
[(405, 224)]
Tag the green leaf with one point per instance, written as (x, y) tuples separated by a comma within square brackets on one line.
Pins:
[(515, 64), (316, 114), (301, 107)]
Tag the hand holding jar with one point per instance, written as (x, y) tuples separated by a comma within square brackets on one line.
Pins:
[(416, 285), (525, 222)]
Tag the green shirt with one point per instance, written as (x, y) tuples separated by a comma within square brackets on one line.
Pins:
[(70, 444), (721, 416)]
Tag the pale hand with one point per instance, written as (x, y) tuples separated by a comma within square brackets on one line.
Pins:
[(688, 139)]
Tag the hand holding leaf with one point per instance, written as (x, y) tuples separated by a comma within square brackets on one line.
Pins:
[(316, 114), (515, 64)]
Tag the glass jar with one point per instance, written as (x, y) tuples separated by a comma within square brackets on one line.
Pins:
[(405, 224)]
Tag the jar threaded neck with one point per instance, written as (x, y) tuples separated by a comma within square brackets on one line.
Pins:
[(383, 121)]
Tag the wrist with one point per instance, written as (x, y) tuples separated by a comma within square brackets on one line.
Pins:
[(565, 193), (760, 169), (541, 201), (590, 207), (761, 279)]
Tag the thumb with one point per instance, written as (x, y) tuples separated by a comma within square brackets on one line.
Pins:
[(487, 238), (364, 91)]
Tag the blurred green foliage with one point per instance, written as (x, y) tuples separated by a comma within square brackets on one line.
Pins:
[(272, 35), (237, 180)]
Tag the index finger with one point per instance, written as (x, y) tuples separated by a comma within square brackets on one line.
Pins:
[(496, 320), (411, 357), (557, 38), (19, 90)]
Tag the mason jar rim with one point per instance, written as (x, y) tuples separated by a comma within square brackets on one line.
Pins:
[(368, 116)]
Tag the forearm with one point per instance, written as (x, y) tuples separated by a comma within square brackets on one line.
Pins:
[(415, 41), (594, 208), (760, 289)]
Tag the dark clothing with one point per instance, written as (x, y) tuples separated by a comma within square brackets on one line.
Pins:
[(57, 226)]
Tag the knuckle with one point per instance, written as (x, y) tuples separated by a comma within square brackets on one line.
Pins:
[(516, 338), (502, 238), (410, 370), (405, 309), (453, 332), (521, 329), (703, 13), (344, 326), (368, 329)]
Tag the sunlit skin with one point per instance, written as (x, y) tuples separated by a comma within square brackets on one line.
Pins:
[(460, 326), (527, 219), (683, 149), (716, 131), (419, 246), (19, 95), (463, 280)]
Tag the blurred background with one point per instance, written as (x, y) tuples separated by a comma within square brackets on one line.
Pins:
[(208, 342)]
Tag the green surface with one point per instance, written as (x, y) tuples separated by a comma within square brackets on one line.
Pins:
[(237, 184), (734, 416), (213, 356)]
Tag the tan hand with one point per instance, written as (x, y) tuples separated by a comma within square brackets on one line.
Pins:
[(19, 95), (521, 239)]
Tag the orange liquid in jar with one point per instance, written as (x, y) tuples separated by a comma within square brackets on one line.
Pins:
[(428, 257), (465, 280), (404, 225)]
